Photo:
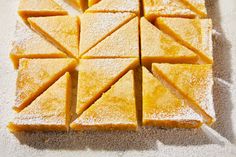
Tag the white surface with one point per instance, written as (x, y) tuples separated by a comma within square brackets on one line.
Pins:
[(146, 142)]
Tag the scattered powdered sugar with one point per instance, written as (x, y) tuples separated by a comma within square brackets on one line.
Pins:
[(22, 33), (34, 119), (169, 7), (146, 141), (206, 96), (116, 5), (184, 114), (215, 33)]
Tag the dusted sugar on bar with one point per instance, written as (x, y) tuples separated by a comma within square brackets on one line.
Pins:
[(97, 26), (48, 112), (97, 75), (123, 43), (162, 108), (174, 8), (197, 6), (115, 110), (28, 44), (194, 82), (116, 6), (63, 31), (36, 75), (36, 8), (163, 59), (156, 46), (195, 34)]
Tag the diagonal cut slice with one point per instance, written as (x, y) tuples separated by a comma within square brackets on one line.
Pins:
[(63, 31), (48, 112), (116, 6), (162, 108), (195, 34), (166, 8), (29, 44), (123, 43), (36, 8), (96, 76), (114, 110), (159, 47), (194, 82), (36, 75), (197, 6), (97, 26)]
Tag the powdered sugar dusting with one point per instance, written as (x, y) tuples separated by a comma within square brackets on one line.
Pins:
[(206, 96), (149, 142), (116, 6), (186, 114), (167, 8), (23, 32), (96, 26), (34, 119)]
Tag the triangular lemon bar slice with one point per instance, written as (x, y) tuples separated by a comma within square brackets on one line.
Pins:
[(36, 75), (96, 76), (116, 109), (29, 44), (48, 112), (197, 6), (196, 34), (162, 108), (92, 2), (123, 43), (116, 6), (97, 26), (194, 82), (159, 47), (166, 8), (63, 31), (35, 8)]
